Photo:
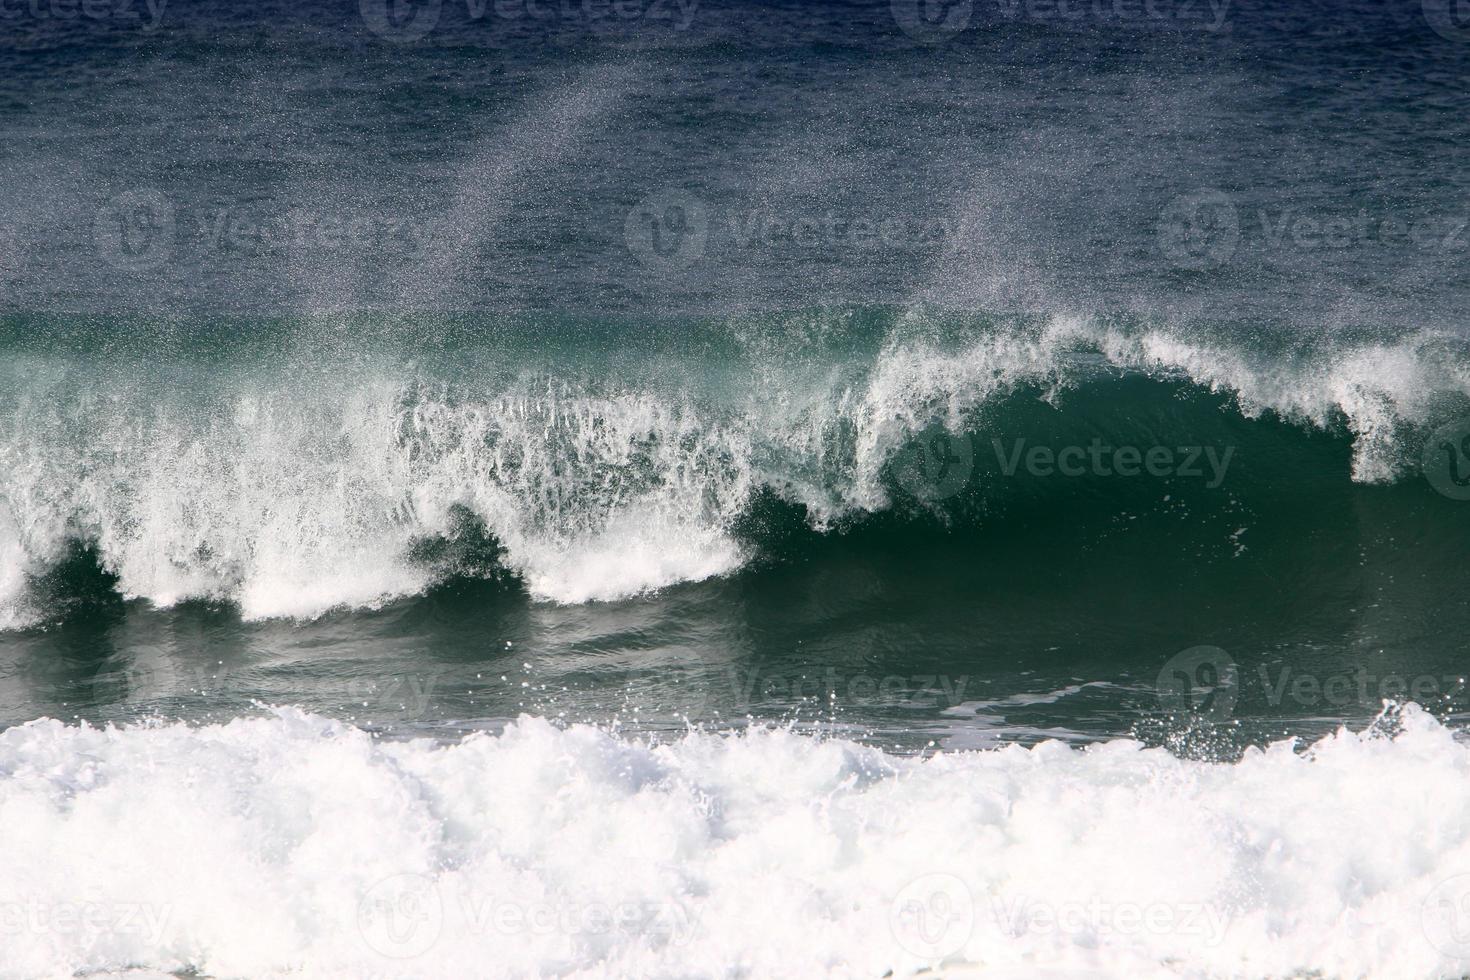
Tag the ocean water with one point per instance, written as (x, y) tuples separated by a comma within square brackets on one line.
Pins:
[(692, 489)]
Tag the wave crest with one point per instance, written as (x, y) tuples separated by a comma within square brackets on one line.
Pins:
[(291, 492)]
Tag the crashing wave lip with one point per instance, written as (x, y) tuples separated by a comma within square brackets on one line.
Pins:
[(630, 561), (273, 846)]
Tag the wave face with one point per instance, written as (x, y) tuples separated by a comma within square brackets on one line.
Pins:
[(289, 487), (261, 846)]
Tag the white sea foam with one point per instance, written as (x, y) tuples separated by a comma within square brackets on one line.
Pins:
[(294, 845), (13, 564), (290, 502), (290, 496)]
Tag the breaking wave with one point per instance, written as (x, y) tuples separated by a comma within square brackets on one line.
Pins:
[(290, 486)]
